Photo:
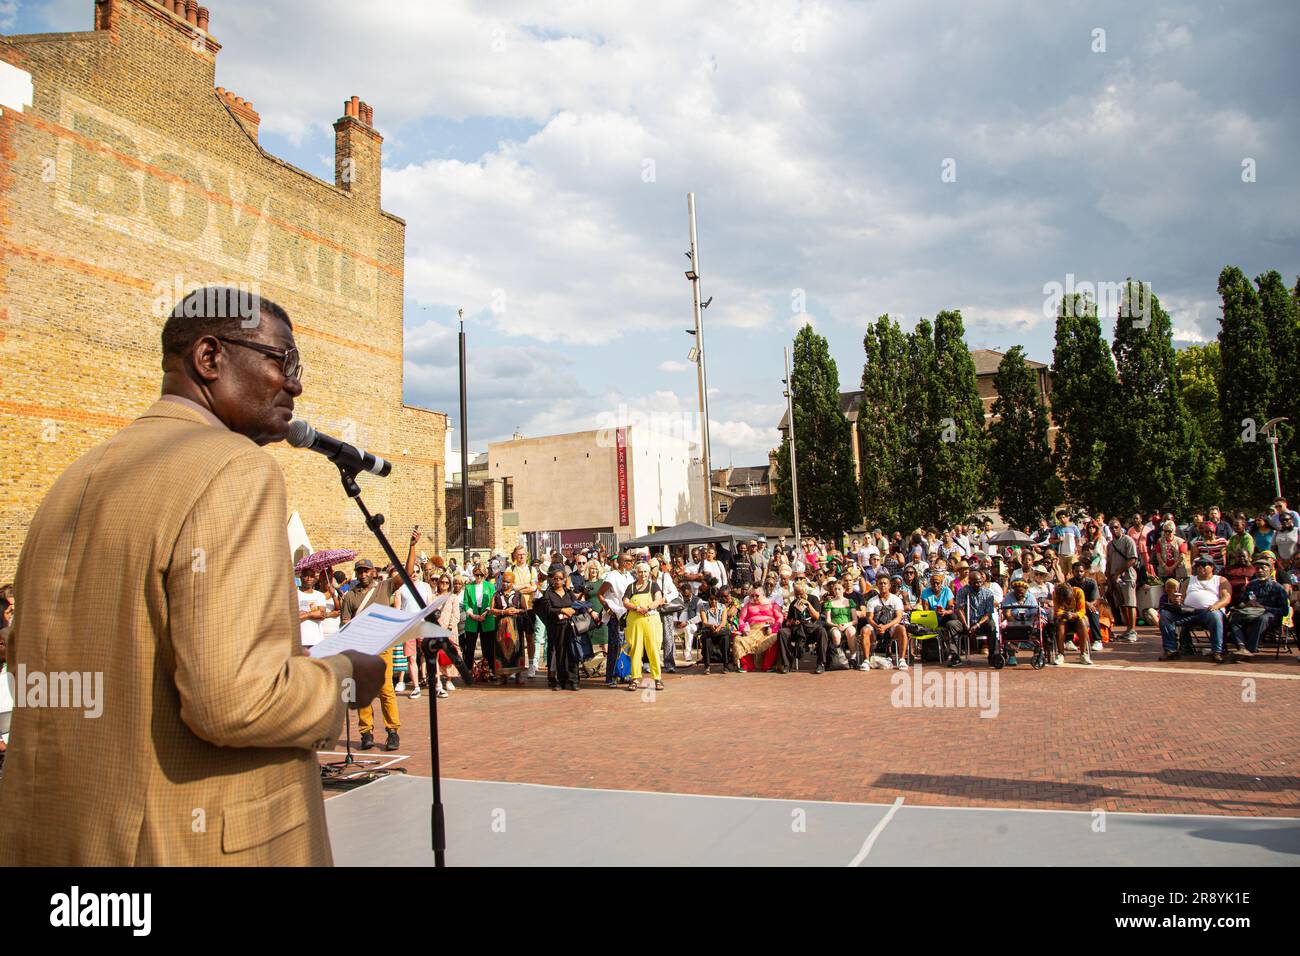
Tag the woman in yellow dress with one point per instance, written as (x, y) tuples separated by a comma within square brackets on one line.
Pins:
[(643, 631)]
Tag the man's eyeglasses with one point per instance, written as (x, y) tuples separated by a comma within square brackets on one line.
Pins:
[(291, 365)]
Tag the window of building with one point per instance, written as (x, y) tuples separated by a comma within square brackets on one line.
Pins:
[(508, 494)]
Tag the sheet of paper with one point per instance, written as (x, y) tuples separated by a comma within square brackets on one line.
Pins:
[(376, 629)]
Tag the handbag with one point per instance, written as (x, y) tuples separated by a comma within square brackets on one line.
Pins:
[(839, 661)]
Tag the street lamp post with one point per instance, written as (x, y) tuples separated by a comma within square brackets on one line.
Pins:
[(1270, 432), (794, 471), (701, 372), (464, 446)]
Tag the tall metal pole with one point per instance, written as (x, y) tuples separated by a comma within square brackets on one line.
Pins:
[(702, 374), (464, 447), (1277, 477), (794, 471)]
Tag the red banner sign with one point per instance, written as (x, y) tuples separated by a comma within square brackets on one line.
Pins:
[(621, 437)]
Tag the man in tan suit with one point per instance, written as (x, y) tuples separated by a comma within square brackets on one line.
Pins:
[(160, 561)]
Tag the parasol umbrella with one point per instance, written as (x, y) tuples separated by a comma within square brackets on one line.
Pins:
[(1011, 536), (324, 559)]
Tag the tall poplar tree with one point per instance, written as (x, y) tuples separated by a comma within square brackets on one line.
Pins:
[(1155, 452), (918, 415), (956, 442), (1020, 458), (882, 430), (1199, 368), (1083, 388), (1282, 320), (829, 502), (1245, 392)]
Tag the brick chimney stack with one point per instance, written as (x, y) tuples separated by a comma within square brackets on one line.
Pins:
[(242, 110), (185, 16), (357, 150)]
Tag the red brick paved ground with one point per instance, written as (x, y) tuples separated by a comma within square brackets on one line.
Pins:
[(1174, 741)]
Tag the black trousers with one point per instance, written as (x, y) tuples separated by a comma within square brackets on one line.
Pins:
[(710, 636), (794, 636), (561, 665), (953, 629), (470, 640), (614, 647)]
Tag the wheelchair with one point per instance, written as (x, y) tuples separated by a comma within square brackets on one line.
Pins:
[(1023, 631)]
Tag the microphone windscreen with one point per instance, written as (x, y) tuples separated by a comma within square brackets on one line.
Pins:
[(301, 435)]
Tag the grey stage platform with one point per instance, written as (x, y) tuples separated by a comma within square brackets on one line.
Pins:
[(512, 824)]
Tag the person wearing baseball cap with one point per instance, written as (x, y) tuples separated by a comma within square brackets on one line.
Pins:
[(1263, 605)]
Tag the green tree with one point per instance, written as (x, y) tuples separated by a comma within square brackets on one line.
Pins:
[(1245, 391), (829, 504), (1199, 367), (1282, 320), (1020, 458), (1083, 389), (916, 415), (882, 431), (1155, 452)]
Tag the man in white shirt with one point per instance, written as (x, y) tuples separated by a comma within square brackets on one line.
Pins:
[(713, 568), (611, 592), (1202, 606)]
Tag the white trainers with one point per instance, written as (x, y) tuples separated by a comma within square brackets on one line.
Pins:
[(450, 685), (1086, 659), (442, 692), (415, 692), (902, 664), (401, 687), (1058, 659), (864, 666), (1096, 645)]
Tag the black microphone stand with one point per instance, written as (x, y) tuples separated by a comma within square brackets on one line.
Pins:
[(429, 646)]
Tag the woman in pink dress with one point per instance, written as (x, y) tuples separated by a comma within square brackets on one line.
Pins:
[(760, 620)]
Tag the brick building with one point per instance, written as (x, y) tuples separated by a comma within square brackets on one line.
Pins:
[(130, 179)]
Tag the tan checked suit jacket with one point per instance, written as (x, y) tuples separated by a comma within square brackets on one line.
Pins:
[(160, 560)]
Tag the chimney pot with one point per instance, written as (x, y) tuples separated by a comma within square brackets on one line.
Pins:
[(355, 104), (203, 19), (192, 12), (178, 7)]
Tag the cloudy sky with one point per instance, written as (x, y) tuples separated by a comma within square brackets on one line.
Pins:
[(848, 159)]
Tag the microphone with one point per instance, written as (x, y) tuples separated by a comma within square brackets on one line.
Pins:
[(302, 435)]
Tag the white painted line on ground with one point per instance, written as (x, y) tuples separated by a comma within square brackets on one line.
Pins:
[(857, 803), (396, 758), (871, 837), (1146, 669)]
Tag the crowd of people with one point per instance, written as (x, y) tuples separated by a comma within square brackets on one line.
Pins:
[(847, 605)]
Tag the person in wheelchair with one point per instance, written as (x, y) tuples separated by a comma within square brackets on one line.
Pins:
[(1020, 614), (884, 631), (973, 616)]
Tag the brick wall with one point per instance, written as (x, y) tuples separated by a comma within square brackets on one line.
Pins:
[(132, 179)]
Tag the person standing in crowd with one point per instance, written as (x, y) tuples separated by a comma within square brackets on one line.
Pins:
[(594, 582), (314, 607), (410, 648), (1064, 541), (644, 632), (611, 592), (1169, 554), (1285, 539), (557, 607), (1280, 511), (508, 652), (526, 582), (711, 567), (1222, 527), (370, 590), (1262, 533), (1121, 574), (480, 622), (673, 605), (742, 568)]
